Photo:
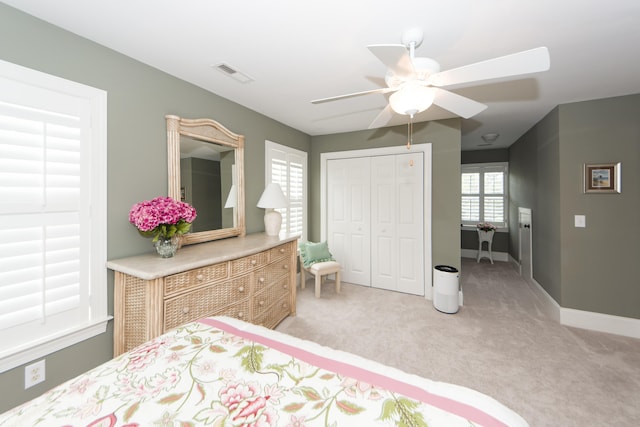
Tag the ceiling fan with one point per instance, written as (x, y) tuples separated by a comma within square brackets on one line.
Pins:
[(416, 83)]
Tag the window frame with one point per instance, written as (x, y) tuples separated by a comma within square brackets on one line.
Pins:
[(271, 150), (94, 203), (483, 168)]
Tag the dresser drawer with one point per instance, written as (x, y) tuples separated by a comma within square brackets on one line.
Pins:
[(239, 310), (248, 263), (274, 314), (264, 298), (177, 283), (205, 301), (269, 274), (280, 251)]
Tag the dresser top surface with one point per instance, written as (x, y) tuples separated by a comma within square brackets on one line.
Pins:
[(150, 266)]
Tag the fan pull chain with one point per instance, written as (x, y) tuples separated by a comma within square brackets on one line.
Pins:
[(410, 132)]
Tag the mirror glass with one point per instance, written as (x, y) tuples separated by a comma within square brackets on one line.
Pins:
[(206, 180), (206, 170)]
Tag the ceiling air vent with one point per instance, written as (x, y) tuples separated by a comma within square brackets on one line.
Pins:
[(233, 73)]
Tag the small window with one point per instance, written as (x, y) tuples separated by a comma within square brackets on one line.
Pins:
[(484, 194), (288, 167)]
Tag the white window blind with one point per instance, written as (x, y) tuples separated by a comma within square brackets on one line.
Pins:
[(288, 167), (484, 195), (50, 179)]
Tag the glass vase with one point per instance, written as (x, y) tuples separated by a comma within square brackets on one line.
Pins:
[(167, 247)]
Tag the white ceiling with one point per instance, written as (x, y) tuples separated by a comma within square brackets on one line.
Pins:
[(297, 51)]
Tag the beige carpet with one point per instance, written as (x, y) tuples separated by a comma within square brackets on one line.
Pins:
[(499, 343)]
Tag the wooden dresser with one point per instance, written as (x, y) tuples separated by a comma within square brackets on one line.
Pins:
[(252, 278)]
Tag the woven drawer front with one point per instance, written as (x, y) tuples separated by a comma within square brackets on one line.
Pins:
[(280, 251), (269, 295), (239, 310), (193, 278), (204, 301), (274, 314), (271, 273), (248, 263)]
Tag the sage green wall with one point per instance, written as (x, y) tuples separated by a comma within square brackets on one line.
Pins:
[(138, 99), (445, 139), (534, 177), (595, 268), (485, 156), (600, 267), (469, 238)]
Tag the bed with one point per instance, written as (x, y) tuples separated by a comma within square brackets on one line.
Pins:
[(220, 371)]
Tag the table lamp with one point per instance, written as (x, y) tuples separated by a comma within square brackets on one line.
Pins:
[(272, 198)]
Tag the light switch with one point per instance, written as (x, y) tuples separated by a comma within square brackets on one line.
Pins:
[(580, 221)]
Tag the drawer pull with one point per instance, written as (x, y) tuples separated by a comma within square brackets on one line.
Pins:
[(200, 277), (285, 287), (185, 310), (281, 250), (261, 303), (285, 305), (253, 262), (261, 280), (241, 289), (286, 267), (240, 315)]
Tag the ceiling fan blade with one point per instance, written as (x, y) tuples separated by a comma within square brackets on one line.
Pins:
[(525, 62), (457, 104), (351, 95), (395, 56), (382, 118)]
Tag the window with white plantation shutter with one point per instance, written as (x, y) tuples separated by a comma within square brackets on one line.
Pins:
[(288, 167), (484, 195), (53, 213)]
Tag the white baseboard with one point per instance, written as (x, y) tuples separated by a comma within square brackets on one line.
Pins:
[(618, 325), (550, 307), (473, 253), (600, 322)]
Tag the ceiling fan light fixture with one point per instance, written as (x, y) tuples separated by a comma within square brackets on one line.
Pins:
[(411, 99)]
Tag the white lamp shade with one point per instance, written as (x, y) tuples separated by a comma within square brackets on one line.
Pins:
[(232, 198), (273, 197), (411, 99)]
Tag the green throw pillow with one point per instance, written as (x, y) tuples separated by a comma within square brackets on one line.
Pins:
[(315, 252)]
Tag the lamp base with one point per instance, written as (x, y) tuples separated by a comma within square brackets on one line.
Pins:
[(272, 222)]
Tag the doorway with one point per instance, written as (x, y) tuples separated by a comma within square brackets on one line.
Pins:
[(524, 233)]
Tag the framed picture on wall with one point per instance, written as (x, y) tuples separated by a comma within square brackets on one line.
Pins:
[(602, 177)]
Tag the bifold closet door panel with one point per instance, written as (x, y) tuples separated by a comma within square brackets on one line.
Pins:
[(349, 217), (397, 223)]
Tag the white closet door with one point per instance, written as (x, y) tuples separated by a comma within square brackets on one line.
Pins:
[(397, 221), (348, 217)]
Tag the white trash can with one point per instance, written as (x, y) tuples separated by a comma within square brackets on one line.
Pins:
[(446, 286)]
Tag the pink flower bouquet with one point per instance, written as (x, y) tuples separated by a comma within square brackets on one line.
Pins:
[(486, 226), (162, 217)]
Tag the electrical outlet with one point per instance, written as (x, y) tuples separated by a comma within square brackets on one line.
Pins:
[(34, 374)]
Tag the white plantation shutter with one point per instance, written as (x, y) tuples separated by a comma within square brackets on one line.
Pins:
[(288, 167), (484, 194), (471, 196), (48, 183), (297, 168)]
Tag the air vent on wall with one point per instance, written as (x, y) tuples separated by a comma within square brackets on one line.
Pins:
[(233, 73)]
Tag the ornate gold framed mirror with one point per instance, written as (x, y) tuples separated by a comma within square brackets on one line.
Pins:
[(206, 170)]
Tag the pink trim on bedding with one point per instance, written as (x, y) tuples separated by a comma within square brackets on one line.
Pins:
[(458, 408)]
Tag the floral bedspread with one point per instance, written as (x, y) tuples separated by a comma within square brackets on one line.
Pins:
[(222, 372)]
